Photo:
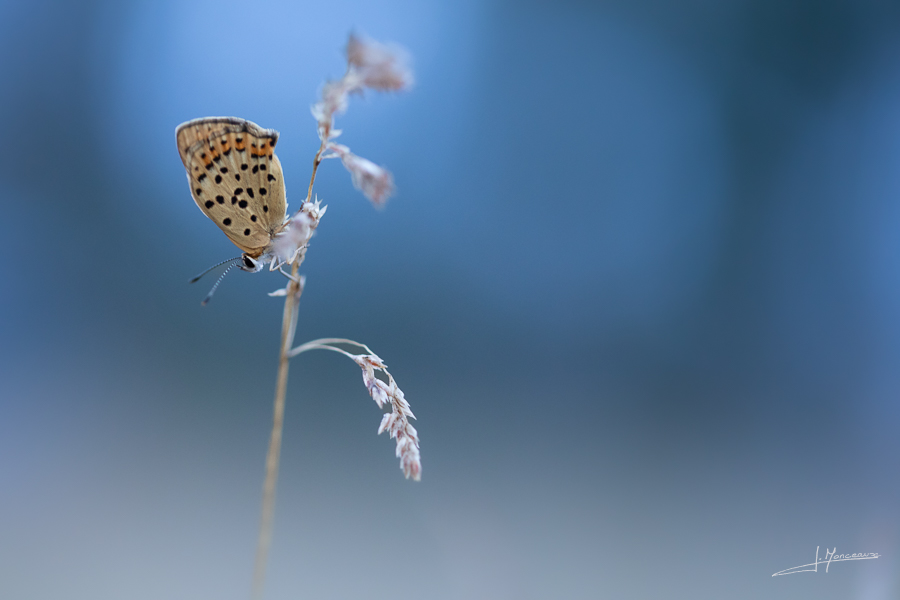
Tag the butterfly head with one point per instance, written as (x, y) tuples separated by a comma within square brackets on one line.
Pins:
[(250, 264)]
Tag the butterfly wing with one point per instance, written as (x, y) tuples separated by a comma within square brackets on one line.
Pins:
[(235, 178)]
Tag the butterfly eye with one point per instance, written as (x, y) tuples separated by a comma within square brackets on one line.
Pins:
[(250, 265)]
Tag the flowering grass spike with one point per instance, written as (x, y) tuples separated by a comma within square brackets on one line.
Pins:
[(284, 241), (370, 65)]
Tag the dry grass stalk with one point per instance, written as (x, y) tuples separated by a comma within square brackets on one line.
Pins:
[(370, 65)]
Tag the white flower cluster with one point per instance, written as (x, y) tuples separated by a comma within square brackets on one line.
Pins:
[(383, 392), (370, 65), (382, 67), (395, 422), (291, 243), (376, 183)]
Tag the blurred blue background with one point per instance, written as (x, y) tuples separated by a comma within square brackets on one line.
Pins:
[(640, 283)]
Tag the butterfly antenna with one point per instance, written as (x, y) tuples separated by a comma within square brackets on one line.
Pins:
[(218, 281), (197, 278)]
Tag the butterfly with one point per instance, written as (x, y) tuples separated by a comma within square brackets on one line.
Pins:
[(236, 180)]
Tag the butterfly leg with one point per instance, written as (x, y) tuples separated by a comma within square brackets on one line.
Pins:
[(288, 275)]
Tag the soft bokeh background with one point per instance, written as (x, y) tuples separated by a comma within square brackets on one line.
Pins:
[(640, 283)]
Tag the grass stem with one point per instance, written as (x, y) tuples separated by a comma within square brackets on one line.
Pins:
[(288, 329)]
